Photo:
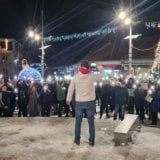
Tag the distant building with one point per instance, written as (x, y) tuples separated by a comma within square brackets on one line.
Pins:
[(10, 56)]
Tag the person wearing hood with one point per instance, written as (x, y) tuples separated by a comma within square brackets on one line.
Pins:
[(83, 85)]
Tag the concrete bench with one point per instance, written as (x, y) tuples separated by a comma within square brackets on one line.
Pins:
[(122, 133)]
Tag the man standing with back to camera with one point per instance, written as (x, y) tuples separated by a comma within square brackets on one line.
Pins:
[(83, 85)]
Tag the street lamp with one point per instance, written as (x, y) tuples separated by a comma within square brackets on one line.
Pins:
[(31, 34), (127, 21), (37, 37), (122, 15)]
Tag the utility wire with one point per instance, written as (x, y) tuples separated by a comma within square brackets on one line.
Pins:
[(143, 50)]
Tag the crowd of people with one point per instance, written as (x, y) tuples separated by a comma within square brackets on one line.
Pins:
[(123, 97), (34, 99)]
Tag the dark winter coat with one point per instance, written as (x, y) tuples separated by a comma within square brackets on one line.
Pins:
[(106, 94), (33, 105), (60, 93), (140, 95), (155, 103), (45, 98), (121, 95)]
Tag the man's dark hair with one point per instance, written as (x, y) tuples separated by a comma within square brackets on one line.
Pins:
[(85, 64)]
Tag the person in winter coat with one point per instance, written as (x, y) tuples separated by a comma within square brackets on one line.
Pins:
[(154, 106), (121, 100), (98, 94), (60, 90), (140, 95), (45, 99), (33, 105), (83, 85), (131, 96), (23, 98), (52, 88), (5, 102), (105, 99)]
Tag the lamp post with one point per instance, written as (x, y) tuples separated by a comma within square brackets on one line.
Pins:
[(130, 48), (127, 21), (43, 53), (35, 36), (38, 37)]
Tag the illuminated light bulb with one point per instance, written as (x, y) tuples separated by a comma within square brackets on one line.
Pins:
[(67, 77), (100, 84), (127, 21), (122, 15), (134, 86), (15, 78), (113, 83), (49, 79), (149, 91), (107, 78), (31, 34), (145, 74), (95, 83), (42, 80), (126, 80), (37, 37), (16, 90), (152, 87), (60, 78), (137, 81), (10, 84), (121, 75)]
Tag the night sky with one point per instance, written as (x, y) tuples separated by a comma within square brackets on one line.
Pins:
[(63, 17)]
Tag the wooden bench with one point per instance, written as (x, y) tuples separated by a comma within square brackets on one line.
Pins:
[(122, 133)]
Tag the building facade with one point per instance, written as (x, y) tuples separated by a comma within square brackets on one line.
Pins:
[(10, 56)]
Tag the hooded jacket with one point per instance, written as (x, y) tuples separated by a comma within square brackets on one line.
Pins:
[(83, 85)]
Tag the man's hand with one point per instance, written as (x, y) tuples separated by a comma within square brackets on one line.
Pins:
[(68, 102)]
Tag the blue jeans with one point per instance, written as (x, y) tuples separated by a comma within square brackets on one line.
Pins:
[(119, 109), (89, 109)]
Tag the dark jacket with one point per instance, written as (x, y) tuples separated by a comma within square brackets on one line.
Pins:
[(155, 103), (140, 95), (121, 95), (45, 98), (106, 94)]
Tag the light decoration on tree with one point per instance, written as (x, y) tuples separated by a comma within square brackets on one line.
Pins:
[(156, 64)]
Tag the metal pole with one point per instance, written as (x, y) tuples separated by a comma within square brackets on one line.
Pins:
[(43, 53), (130, 48), (130, 42)]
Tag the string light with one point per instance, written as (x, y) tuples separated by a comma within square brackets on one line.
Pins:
[(81, 35), (99, 32)]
